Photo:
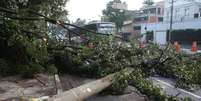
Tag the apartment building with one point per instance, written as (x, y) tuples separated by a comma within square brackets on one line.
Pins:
[(121, 6), (184, 10), (186, 15), (147, 14)]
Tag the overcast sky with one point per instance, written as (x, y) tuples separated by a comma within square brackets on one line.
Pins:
[(92, 9)]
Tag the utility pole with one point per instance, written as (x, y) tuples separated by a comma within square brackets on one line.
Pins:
[(171, 20)]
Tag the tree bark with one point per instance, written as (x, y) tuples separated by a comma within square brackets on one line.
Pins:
[(87, 90)]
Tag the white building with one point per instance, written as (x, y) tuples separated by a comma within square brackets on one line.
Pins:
[(186, 15), (121, 6), (146, 14), (184, 10)]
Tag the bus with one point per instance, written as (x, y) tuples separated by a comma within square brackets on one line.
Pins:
[(105, 28), (101, 27)]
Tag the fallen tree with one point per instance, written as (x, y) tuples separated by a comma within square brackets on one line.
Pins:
[(87, 90), (105, 57)]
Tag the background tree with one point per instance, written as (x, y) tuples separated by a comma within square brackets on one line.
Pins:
[(148, 2), (80, 22), (24, 43), (50, 8), (115, 15)]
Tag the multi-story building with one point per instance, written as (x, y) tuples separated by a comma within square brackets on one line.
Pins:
[(186, 15), (121, 6), (154, 13), (117, 5), (147, 14), (184, 10)]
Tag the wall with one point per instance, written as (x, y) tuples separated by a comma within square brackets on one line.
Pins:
[(127, 28), (195, 24), (122, 6), (178, 2), (156, 27), (153, 19), (183, 18), (183, 11)]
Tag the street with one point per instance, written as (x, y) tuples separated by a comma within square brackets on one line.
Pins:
[(168, 86)]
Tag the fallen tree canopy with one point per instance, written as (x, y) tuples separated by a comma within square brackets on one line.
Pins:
[(26, 54), (108, 56)]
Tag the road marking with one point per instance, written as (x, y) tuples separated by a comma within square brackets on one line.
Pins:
[(184, 91)]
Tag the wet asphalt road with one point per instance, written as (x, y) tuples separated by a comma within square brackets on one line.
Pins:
[(168, 86)]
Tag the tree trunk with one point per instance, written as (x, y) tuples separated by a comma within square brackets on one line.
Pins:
[(87, 90)]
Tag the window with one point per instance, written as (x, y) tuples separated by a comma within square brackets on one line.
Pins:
[(168, 13), (153, 11), (160, 19), (177, 13), (145, 11), (137, 28), (196, 15), (141, 19), (144, 18), (186, 12), (91, 27), (106, 28), (159, 10), (149, 36), (126, 36)]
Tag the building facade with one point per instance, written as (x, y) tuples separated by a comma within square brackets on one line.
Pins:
[(147, 14), (184, 10), (121, 6), (186, 15)]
